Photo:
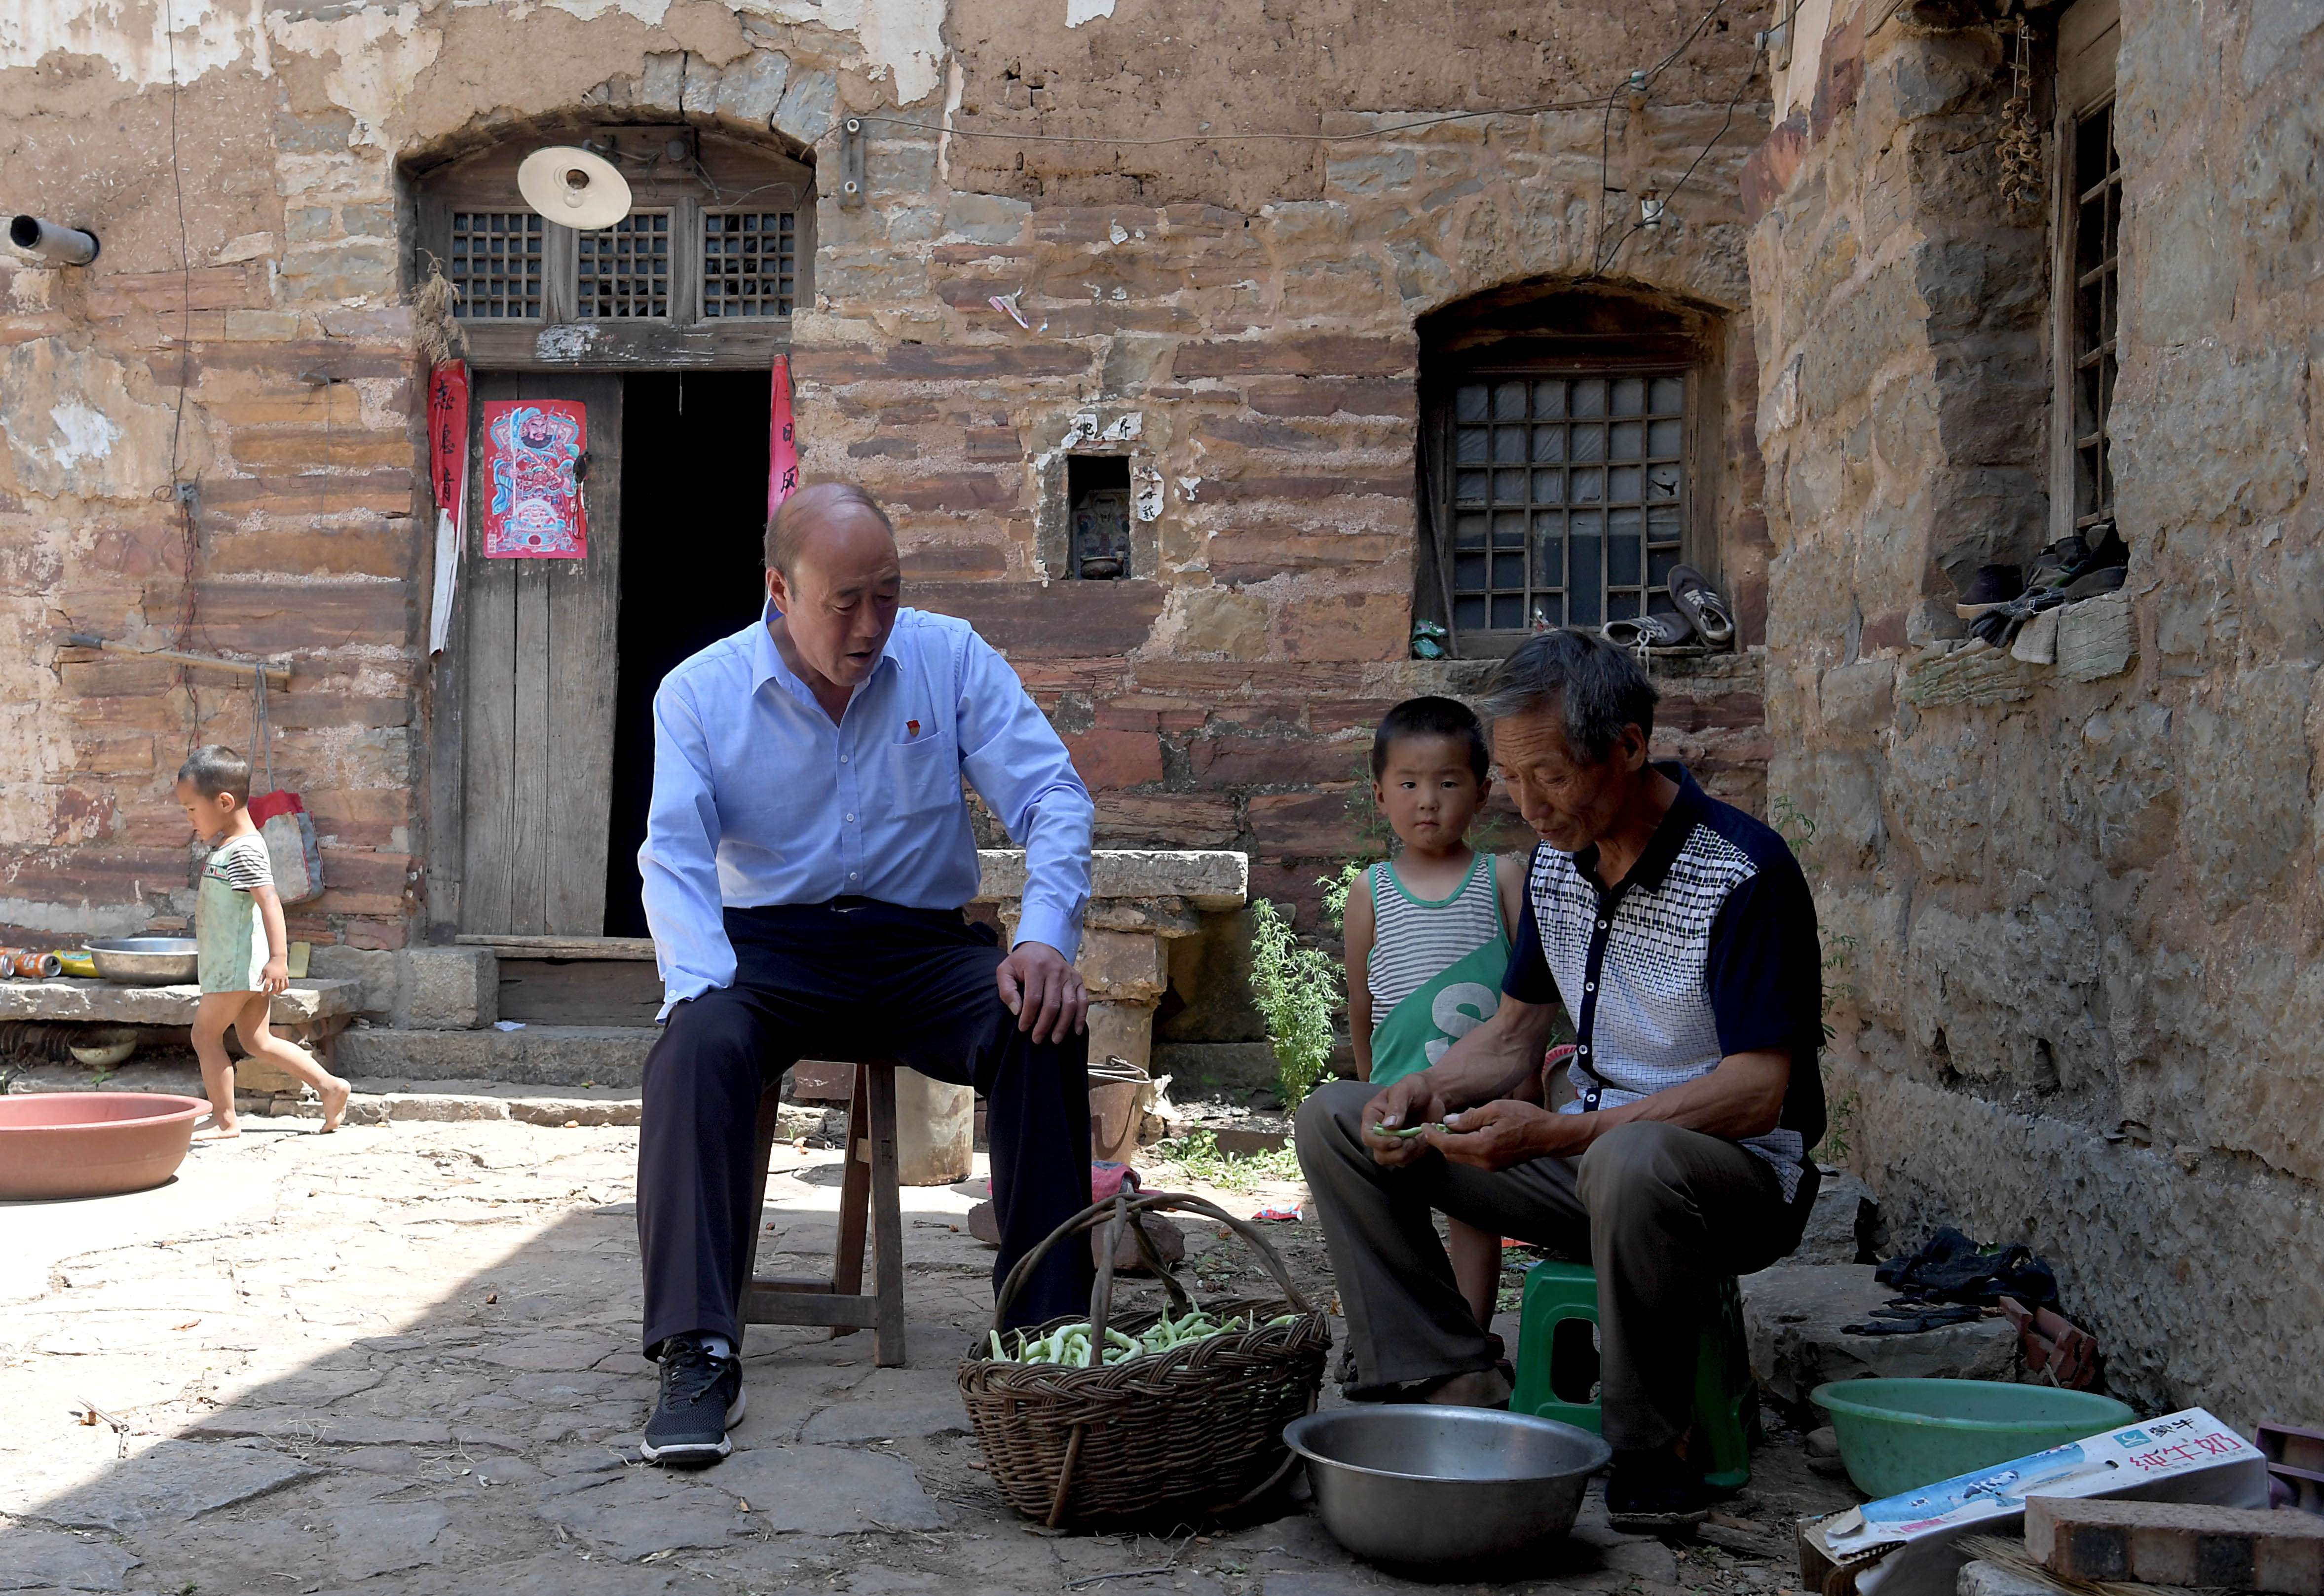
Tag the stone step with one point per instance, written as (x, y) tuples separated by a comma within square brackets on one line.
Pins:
[(561, 1056), (382, 1103), (1795, 1314)]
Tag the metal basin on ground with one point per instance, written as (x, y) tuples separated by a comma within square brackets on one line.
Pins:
[(92, 1144), (1417, 1485), (147, 961)]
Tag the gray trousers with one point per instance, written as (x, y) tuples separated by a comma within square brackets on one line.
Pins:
[(1662, 1214)]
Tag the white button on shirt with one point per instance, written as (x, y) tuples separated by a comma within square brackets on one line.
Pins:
[(756, 795)]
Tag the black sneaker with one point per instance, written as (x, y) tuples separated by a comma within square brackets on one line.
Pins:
[(1992, 586), (701, 1400), (1650, 1492)]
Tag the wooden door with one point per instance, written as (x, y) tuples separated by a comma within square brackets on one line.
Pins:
[(536, 720)]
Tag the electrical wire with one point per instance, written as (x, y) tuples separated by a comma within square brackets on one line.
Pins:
[(1213, 138), (1750, 73), (1642, 82), (190, 533)]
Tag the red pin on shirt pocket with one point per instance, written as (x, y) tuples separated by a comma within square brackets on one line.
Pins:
[(923, 774)]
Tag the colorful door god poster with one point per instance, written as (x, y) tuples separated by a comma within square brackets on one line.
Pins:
[(532, 459)]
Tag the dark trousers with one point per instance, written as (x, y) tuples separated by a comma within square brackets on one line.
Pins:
[(1661, 1212), (869, 982)]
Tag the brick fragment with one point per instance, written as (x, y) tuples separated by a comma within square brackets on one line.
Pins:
[(1111, 758), (210, 288), (1303, 354), (2177, 1544), (951, 490), (1063, 620)]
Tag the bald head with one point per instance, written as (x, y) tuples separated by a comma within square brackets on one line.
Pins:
[(822, 508), (834, 581)]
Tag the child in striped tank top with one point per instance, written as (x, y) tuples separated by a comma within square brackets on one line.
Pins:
[(1428, 933)]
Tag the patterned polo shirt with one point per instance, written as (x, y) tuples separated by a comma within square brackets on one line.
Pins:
[(1708, 947)]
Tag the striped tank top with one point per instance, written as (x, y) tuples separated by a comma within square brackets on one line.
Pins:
[(1416, 939)]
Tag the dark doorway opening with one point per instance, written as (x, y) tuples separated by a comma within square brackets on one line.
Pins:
[(694, 521)]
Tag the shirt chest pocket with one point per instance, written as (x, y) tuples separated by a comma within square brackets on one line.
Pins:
[(922, 775)]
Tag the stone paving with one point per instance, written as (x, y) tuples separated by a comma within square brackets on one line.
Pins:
[(402, 1359)]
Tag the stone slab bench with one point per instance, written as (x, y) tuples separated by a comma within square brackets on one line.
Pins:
[(612, 1055), (108, 1002), (312, 1013), (1140, 898), (1795, 1314)]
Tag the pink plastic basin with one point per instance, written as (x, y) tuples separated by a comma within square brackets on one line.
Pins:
[(92, 1144)]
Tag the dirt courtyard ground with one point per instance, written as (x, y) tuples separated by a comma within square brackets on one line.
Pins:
[(403, 1359)]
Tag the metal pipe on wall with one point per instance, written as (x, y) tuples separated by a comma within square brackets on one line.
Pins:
[(61, 246)]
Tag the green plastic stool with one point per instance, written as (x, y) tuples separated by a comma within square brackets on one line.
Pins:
[(1557, 1366)]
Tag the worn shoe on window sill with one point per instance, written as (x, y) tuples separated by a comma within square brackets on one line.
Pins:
[(2105, 579), (1700, 603), (1992, 586), (2072, 560), (1655, 632), (701, 1400)]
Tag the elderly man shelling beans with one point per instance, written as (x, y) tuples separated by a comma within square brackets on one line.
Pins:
[(1679, 935)]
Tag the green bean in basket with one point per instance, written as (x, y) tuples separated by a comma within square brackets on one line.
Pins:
[(1070, 1344)]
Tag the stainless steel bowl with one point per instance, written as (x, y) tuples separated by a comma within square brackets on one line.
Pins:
[(1424, 1485), (147, 961)]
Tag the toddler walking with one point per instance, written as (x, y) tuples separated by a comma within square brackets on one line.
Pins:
[(244, 950), (1428, 934)]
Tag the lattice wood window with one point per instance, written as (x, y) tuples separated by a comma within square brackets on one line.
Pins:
[(749, 261), (496, 264), (2096, 186), (707, 269), (1569, 497), (2085, 269), (625, 270)]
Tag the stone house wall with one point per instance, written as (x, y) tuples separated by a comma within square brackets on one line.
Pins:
[(2083, 992), (1253, 302)]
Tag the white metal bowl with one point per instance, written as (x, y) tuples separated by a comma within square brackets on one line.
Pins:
[(1418, 1485), (147, 961)]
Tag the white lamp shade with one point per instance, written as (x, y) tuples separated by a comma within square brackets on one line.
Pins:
[(574, 187)]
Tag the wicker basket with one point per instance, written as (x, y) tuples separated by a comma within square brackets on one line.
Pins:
[(1186, 1433)]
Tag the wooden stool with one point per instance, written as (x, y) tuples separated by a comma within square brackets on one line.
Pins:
[(867, 1192)]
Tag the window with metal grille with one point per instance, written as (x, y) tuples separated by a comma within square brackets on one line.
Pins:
[(2096, 185), (749, 261), (625, 269), (496, 264), (1568, 498)]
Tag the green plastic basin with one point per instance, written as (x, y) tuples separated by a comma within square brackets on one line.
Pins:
[(1899, 1434)]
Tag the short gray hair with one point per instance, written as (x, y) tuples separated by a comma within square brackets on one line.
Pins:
[(1595, 689), (788, 527)]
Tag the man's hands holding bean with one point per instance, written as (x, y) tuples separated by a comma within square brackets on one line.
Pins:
[(1040, 986), (1403, 1103), (1491, 1136), (1496, 1135)]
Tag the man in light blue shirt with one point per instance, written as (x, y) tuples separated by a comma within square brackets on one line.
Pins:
[(806, 863)]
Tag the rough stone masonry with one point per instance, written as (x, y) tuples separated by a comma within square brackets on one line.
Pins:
[(2079, 1002), (1253, 303), (2081, 998)]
